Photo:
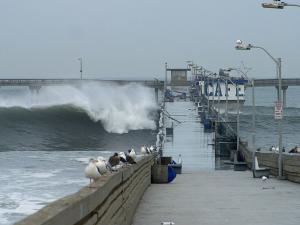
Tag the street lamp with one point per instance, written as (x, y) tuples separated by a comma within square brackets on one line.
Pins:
[(189, 63), (165, 83), (241, 46), (206, 74), (277, 4), (80, 60)]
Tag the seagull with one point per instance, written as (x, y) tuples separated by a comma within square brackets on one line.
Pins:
[(239, 42), (122, 157), (114, 160), (102, 165), (143, 150), (152, 148), (92, 171), (264, 180), (132, 153), (129, 159)]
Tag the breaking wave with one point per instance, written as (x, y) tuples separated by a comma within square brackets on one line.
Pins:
[(119, 108)]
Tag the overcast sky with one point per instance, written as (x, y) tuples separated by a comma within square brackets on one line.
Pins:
[(133, 38)]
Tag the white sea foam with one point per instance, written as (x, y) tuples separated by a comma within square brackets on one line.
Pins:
[(119, 108), (42, 175), (19, 203), (84, 160)]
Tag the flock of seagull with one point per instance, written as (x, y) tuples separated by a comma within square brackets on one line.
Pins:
[(100, 166), (296, 149)]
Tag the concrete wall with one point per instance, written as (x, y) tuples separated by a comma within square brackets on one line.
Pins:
[(112, 200), (291, 163)]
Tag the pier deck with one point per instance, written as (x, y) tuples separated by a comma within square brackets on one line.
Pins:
[(220, 197), (203, 195)]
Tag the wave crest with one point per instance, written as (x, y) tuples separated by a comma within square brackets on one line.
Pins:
[(119, 108)]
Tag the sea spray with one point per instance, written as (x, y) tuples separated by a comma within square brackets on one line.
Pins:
[(119, 108)]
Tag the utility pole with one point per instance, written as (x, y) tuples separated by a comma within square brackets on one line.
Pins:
[(253, 126), (80, 60)]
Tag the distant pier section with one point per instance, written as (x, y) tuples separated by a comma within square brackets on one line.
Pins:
[(274, 82), (35, 85), (55, 82)]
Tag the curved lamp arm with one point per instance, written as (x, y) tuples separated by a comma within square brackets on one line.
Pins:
[(286, 4), (275, 60)]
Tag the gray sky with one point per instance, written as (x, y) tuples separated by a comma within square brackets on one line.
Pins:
[(133, 38)]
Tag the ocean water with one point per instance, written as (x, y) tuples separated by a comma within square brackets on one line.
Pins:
[(266, 126), (48, 137)]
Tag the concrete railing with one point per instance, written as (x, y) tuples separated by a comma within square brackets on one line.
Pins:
[(291, 162), (112, 200)]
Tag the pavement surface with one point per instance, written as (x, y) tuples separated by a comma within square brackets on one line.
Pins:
[(206, 195), (220, 197), (189, 139)]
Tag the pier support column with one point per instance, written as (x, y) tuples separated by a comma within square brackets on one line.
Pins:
[(156, 95), (284, 88), (35, 89), (277, 92)]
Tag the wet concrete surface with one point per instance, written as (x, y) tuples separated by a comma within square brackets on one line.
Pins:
[(189, 138), (220, 197), (204, 194)]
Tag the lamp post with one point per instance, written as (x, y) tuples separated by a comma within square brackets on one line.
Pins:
[(80, 60), (277, 4), (219, 87), (241, 46), (208, 105), (166, 78), (190, 64), (253, 126), (226, 92)]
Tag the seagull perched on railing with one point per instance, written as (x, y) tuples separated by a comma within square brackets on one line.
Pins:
[(102, 165), (114, 160), (152, 149), (122, 157), (132, 154), (92, 171), (272, 148), (143, 150)]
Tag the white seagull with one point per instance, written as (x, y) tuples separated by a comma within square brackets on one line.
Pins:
[(122, 157), (143, 150), (152, 148), (101, 165), (92, 171), (132, 154)]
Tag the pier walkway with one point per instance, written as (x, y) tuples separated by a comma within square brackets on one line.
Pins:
[(206, 196), (189, 138)]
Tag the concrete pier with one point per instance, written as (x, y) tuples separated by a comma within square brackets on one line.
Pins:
[(189, 139), (220, 197), (204, 195)]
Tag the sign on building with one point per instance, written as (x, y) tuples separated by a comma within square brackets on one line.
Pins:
[(278, 112)]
